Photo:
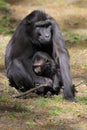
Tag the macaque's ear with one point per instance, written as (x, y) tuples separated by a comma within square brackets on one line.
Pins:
[(28, 22)]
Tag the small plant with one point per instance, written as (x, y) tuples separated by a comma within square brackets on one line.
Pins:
[(30, 124), (4, 4), (42, 102), (17, 105), (7, 25), (27, 114), (13, 114), (3, 98), (85, 38), (85, 91), (56, 110), (71, 37), (85, 65), (40, 2), (59, 99), (83, 99)]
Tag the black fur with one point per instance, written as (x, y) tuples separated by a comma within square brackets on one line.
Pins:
[(44, 65)]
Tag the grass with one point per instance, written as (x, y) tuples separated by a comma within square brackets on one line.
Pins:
[(71, 37), (4, 4), (3, 98), (30, 124), (27, 115), (83, 100), (17, 105), (2, 48), (85, 65), (85, 90), (3, 43), (56, 110), (51, 2), (59, 99), (13, 115), (42, 102), (7, 25)]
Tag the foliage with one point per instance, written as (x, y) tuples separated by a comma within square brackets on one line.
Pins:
[(4, 4), (30, 124), (59, 99), (71, 37), (13, 115), (42, 102), (3, 99), (56, 110), (7, 25), (83, 100)]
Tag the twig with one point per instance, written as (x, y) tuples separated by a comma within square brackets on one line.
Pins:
[(37, 87), (79, 84), (31, 90)]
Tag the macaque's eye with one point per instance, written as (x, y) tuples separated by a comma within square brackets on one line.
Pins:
[(47, 61)]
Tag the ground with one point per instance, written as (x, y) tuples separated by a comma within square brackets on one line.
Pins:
[(53, 113)]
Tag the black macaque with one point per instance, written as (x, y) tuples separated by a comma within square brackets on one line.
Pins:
[(44, 65), (37, 32)]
